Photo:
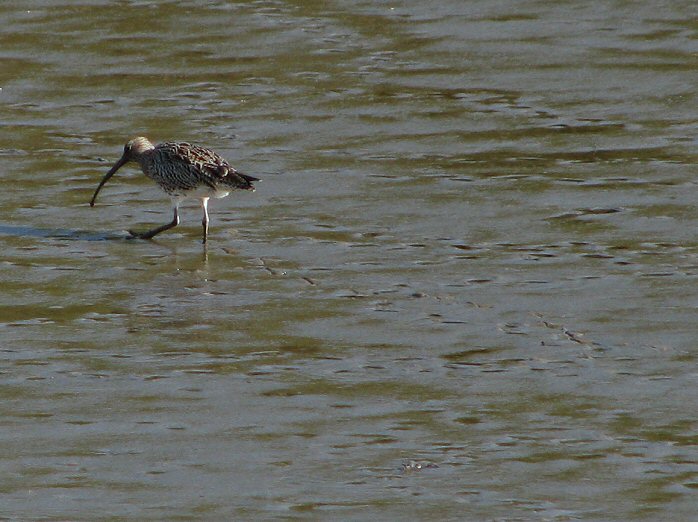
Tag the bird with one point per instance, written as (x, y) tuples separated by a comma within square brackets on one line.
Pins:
[(183, 171)]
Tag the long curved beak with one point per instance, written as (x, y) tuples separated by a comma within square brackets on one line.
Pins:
[(109, 174)]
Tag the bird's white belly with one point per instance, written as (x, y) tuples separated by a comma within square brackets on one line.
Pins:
[(202, 192), (219, 193)]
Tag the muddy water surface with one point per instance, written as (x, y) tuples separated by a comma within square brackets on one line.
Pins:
[(465, 289)]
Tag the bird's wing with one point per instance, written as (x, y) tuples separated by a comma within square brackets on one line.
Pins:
[(207, 166)]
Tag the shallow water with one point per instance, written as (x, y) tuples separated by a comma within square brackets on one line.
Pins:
[(464, 289)]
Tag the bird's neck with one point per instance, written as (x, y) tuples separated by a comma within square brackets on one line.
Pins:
[(145, 160)]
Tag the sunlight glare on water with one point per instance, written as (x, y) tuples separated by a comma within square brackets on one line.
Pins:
[(462, 291)]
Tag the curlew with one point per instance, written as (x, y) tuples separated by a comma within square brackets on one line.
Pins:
[(183, 171)]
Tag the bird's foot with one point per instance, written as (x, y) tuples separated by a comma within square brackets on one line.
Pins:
[(138, 235)]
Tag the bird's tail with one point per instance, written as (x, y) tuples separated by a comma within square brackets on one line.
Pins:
[(243, 181), (247, 178)]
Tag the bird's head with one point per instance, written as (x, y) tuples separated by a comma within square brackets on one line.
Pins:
[(133, 151), (135, 148)]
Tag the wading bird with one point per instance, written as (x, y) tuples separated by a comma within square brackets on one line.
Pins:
[(183, 171)]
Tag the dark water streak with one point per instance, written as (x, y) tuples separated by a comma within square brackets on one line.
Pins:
[(464, 290)]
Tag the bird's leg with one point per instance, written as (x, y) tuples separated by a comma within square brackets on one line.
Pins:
[(204, 221), (151, 233)]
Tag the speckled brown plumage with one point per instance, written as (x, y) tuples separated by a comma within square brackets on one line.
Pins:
[(181, 167), (183, 171)]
